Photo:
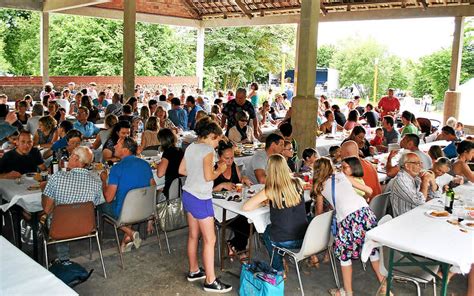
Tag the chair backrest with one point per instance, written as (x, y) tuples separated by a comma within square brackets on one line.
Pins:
[(176, 188), (379, 204), (317, 236), (425, 125), (150, 152), (72, 220), (139, 205)]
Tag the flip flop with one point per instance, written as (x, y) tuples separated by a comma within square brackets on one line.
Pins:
[(137, 241), (127, 247)]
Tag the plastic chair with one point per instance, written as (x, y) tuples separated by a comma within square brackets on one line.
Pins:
[(379, 204), (413, 274), (425, 125), (139, 206), (150, 151), (64, 227), (316, 239)]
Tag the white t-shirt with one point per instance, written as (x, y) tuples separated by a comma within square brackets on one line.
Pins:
[(64, 103), (259, 161), (195, 182), (165, 105), (347, 200)]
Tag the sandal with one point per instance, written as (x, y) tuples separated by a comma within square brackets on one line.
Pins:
[(231, 252), (313, 261), (127, 247), (137, 241), (339, 292)]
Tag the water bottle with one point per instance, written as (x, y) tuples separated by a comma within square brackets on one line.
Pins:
[(367, 132), (140, 127), (333, 128)]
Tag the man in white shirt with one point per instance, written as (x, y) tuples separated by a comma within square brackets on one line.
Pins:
[(163, 103), (255, 170), (409, 142)]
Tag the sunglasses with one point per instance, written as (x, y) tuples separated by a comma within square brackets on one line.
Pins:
[(235, 198)]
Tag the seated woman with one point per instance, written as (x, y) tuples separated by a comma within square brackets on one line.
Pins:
[(46, 134), (435, 152), (352, 120), (226, 182), (241, 132), (216, 109), (288, 155), (465, 151), (263, 115), (408, 126), (326, 127), (352, 168), (358, 135), (287, 209), (164, 121), (103, 135), (94, 116), (150, 135), (309, 157), (354, 218), (121, 130)]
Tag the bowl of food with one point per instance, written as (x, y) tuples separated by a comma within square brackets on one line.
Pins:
[(247, 146), (29, 176)]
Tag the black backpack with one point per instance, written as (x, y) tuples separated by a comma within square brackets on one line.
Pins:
[(71, 273)]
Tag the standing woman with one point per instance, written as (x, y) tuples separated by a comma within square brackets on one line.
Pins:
[(253, 95), (198, 166), (287, 209), (354, 219)]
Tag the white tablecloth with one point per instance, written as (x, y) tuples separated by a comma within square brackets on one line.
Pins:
[(323, 143), (416, 233), (20, 275), (14, 193)]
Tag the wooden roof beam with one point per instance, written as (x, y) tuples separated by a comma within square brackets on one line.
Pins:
[(54, 5), (241, 5), (424, 4), (192, 9), (22, 4), (323, 9)]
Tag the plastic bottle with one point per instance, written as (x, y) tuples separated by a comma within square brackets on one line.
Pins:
[(333, 128)]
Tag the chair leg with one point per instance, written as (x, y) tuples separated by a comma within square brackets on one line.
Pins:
[(90, 248), (158, 236), (118, 246), (46, 260), (100, 254), (166, 235), (334, 268), (434, 286), (299, 276), (13, 227), (418, 288)]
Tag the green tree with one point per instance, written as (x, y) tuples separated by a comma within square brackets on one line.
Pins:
[(325, 55)]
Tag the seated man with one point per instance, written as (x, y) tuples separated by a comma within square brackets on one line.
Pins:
[(87, 128), (24, 159), (178, 115), (371, 179), (409, 142), (409, 189), (448, 134), (255, 170), (130, 173), (75, 186)]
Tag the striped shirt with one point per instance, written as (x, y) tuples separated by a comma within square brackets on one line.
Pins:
[(405, 193)]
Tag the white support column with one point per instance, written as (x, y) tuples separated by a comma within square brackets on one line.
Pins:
[(452, 98), (200, 57), (305, 104), (44, 47), (129, 24)]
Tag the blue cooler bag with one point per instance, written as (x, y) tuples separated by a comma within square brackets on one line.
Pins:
[(260, 279)]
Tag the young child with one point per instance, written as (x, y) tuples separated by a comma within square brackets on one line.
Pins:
[(11, 143), (335, 155), (378, 139), (352, 168), (459, 129), (309, 157), (198, 166)]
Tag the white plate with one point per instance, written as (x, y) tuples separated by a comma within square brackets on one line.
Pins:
[(465, 222), (29, 176), (428, 214)]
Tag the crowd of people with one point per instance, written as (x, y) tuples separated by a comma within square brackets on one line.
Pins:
[(54, 129)]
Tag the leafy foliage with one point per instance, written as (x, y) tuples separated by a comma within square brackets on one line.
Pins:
[(325, 55)]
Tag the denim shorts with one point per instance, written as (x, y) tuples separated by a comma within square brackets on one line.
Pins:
[(198, 208), (109, 209)]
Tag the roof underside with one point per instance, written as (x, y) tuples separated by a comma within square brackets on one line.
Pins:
[(212, 9)]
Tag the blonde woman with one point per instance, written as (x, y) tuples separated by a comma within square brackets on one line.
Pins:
[(46, 134), (150, 135), (287, 208), (354, 219), (164, 121)]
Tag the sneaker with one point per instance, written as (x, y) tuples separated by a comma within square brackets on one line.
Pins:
[(217, 287), (198, 275)]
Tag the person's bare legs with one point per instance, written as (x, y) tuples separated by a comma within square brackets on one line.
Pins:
[(470, 282), (347, 278), (128, 237), (206, 227), (193, 240), (376, 267)]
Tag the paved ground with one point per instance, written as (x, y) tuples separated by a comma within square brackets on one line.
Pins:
[(149, 273)]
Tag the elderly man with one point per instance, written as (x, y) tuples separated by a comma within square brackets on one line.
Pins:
[(74, 186), (371, 179), (255, 170), (87, 128), (240, 103), (130, 173), (409, 188), (409, 142), (24, 159)]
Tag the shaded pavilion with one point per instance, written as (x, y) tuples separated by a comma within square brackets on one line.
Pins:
[(306, 14)]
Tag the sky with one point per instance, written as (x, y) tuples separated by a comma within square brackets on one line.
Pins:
[(407, 38)]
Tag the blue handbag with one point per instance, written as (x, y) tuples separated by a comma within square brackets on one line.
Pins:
[(260, 279), (334, 220)]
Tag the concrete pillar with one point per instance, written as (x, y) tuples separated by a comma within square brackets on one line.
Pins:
[(129, 24), (452, 98), (305, 104), (200, 57), (44, 47)]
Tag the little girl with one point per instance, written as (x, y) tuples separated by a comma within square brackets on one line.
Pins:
[(354, 219), (309, 157), (352, 168), (198, 166)]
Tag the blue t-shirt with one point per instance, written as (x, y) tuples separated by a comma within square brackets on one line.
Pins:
[(179, 117), (59, 144), (192, 116), (450, 151), (130, 173)]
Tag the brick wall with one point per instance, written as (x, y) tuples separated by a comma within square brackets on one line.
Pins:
[(16, 87)]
